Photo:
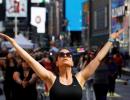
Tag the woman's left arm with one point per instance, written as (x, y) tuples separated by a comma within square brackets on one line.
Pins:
[(84, 74)]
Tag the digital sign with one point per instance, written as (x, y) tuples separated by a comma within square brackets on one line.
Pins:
[(73, 13)]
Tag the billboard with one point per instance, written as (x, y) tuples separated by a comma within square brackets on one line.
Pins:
[(16, 8), (118, 10), (73, 13)]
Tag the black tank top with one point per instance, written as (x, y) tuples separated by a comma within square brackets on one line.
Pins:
[(66, 92)]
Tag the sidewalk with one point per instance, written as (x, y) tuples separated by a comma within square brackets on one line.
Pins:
[(126, 69), (2, 97), (122, 89)]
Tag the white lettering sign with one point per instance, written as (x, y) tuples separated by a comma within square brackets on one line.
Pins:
[(118, 11)]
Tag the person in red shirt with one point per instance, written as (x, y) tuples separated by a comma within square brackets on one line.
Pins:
[(118, 59)]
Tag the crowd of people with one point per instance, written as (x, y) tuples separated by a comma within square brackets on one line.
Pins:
[(22, 69)]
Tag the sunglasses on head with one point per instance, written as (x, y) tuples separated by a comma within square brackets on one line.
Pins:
[(62, 54)]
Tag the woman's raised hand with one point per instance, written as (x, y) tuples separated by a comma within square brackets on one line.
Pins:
[(3, 35), (117, 34), (6, 37)]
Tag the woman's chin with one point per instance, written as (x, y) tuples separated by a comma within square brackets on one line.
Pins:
[(68, 65)]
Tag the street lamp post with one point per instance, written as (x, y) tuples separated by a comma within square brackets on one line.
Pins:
[(16, 10), (16, 25)]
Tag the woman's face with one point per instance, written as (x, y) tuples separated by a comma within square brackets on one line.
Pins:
[(64, 58)]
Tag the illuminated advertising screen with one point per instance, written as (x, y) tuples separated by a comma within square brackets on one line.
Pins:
[(118, 12), (73, 13), (80, 50)]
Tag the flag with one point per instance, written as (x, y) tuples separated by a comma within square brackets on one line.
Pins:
[(38, 18)]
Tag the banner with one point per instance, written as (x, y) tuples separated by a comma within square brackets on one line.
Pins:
[(38, 18)]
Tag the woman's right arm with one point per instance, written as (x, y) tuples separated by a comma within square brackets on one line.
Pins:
[(36, 66)]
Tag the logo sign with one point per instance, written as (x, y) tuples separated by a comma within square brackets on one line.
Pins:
[(38, 19), (119, 11)]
